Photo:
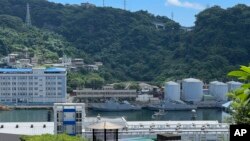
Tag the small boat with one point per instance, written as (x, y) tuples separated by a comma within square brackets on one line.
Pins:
[(4, 108), (114, 106), (161, 112), (170, 106)]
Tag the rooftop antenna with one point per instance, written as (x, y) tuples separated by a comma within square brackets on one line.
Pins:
[(28, 19), (124, 4)]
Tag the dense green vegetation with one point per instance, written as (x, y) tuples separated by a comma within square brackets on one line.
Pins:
[(80, 80), (48, 137), (130, 46), (16, 37), (241, 97)]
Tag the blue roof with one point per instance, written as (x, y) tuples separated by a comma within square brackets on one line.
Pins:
[(15, 70), (26, 70), (55, 70)]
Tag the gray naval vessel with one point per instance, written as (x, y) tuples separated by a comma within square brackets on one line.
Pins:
[(171, 106), (114, 106)]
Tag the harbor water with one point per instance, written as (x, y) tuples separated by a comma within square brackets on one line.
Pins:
[(35, 115)]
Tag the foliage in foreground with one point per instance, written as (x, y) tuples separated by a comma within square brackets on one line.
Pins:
[(48, 137), (241, 97)]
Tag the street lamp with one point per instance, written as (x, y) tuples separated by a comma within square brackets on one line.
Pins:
[(193, 114)]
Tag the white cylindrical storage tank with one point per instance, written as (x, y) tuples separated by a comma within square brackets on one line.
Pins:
[(192, 90), (211, 87), (220, 91), (232, 85), (172, 91)]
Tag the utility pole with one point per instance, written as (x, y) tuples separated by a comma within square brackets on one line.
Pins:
[(103, 3), (28, 18)]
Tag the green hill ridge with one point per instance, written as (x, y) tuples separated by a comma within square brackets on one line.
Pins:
[(129, 44)]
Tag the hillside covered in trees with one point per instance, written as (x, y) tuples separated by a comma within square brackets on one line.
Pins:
[(128, 43)]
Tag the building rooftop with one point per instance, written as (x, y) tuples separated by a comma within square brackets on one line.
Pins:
[(5, 70), (191, 80), (25, 128), (55, 70), (93, 120), (28, 70), (39, 128)]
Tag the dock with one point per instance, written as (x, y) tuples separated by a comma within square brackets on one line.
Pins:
[(31, 106)]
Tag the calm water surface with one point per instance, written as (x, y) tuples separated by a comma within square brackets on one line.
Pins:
[(142, 115)]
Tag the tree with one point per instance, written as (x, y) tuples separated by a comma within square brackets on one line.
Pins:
[(134, 86), (119, 86), (94, 81), (241, 97)]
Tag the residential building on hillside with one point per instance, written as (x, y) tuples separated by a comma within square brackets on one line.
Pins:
[(77, 62), (33, 86)]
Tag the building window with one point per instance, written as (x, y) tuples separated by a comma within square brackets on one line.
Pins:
[(59, 77), (78, 116), (59, 128)]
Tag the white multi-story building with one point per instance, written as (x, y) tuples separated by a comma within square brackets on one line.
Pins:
[(69, 118), (33, 86)]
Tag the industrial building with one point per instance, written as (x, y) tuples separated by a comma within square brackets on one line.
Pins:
[(192, 90), (232, 85), (219, 90), (32, 86), (69, 118), (172, 91)]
